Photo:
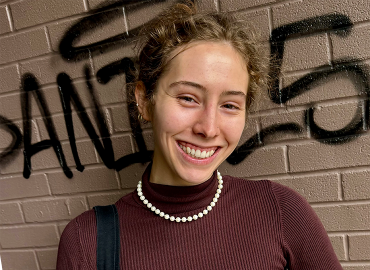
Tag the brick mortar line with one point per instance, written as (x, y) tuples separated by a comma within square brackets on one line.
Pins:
[(303, 107), (349, 233), (355, 263), (65, 196), (263, 6), (346, 246), (86, 5), (340, 187), (292, 175), (10, 18), (9, 250), (270, 20), (340, 203), (329, 48), (11, 63), (36, 260)]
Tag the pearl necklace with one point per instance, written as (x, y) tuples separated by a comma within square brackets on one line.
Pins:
[(183, 219)]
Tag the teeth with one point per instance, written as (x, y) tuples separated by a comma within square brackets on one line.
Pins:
[(197, 153)]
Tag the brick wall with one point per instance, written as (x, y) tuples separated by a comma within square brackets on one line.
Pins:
[(309, 134)]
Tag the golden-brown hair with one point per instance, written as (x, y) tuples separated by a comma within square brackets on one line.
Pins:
[(181, 25)]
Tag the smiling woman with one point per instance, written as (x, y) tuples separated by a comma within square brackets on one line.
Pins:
[(197, 77)]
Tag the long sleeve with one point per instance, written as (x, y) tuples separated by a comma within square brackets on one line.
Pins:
[(69, 251), (305, 239)]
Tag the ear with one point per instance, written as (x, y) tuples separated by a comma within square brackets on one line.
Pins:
[(142, 101)]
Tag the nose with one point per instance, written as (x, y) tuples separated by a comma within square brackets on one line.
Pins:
[(207, 124)]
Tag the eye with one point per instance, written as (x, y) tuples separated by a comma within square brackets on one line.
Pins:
[(231, 107), (186, 99)]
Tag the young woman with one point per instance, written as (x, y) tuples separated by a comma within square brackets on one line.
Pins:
[(197, 77)]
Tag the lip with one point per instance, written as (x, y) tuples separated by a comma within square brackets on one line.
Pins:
[(197, 161)]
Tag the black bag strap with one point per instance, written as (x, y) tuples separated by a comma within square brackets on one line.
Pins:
[(108, 240)]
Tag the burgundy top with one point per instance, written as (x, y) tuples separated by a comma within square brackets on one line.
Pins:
[(254, 225)]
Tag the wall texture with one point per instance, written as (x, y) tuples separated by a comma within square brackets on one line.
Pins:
[(67, 142)]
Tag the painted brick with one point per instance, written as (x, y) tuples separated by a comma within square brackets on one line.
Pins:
[(60, 126), (18, 187), (252, 165), (359, 247), (315, 188), (28, 236), (264, 103), (53, 209), (28, 13), (306, 52), (356, 185), (135, 16), (105, 94), (258, 21), (121, 146), (337, 116), (295, 117), (4, 22), (47, 258), (15, 260), (85, 151), (9, 79), (61, 227), (23, 45), (231, 5), (120, 118), (106, 199), (250, 130), (149, 140), (88, 36), (357, 267), (298, 10), (317, 156), (14, 163), (352, 46), (10, 213), (338, 85), (11, 107), (90, 180), (207, 5), (131, 175), (47, 69), (338, 244), (45, 159), (344, 217)]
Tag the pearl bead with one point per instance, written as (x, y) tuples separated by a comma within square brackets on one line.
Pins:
[(183, 219)]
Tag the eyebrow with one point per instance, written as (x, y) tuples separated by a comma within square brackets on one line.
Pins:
[(201, 87)]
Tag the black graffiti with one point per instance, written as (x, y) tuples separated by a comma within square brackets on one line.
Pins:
[(340, 25), (30, 87)]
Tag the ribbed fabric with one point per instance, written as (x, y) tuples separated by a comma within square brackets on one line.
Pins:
[(254, 225)]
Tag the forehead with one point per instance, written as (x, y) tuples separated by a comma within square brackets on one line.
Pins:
[(209, 64)]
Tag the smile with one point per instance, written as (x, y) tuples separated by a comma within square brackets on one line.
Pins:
[(197, 153)]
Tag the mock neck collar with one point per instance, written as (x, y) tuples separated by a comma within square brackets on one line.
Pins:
[(178, 199)]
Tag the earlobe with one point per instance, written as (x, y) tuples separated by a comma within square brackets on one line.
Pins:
[(142, 101)]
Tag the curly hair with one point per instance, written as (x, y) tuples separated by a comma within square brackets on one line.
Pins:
[(181, 25)]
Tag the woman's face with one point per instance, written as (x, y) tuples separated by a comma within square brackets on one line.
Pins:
[(199, 106)]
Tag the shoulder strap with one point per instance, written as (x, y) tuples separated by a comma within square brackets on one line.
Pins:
[(108, 240)]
